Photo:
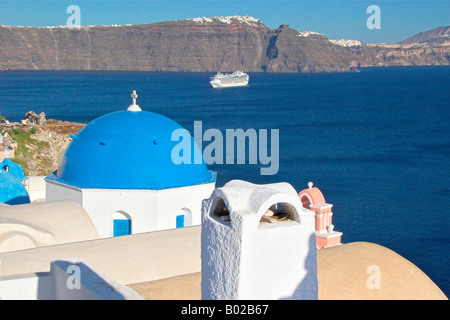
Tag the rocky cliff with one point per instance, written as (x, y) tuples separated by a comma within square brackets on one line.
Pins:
[(41, 146), (291, 51), (436, 34), (415, 54), (201, 44), (187, 45)]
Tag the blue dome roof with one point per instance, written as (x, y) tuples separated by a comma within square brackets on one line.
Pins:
[(128, 150), (12, 191), (14, 168)]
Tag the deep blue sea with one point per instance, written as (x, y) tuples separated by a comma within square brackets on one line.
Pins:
[(377, 143)]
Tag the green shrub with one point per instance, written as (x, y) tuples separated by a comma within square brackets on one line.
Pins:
[(17, 131)]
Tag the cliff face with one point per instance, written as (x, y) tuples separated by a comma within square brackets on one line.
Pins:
[(200, 44), (170, 46), (290, 51), (440, 33), (408, 55)]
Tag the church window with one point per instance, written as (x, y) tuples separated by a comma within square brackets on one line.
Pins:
[(122, 227), (180, 221)]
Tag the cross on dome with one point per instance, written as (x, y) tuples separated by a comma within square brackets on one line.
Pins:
[(134, 106)]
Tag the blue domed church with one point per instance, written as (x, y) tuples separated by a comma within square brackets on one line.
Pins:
[(119, 167), (12, 183)]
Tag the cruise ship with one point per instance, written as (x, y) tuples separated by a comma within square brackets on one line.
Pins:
[(224, 80)]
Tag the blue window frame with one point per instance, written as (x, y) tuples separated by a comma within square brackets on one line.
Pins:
[(122, 227), (180, 221)]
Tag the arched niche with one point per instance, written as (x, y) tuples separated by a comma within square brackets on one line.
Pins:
[(306, 201), (184, 218), (277, 213), (219, 211)]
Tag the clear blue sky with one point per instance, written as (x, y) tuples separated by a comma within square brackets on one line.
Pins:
[(335, 19)]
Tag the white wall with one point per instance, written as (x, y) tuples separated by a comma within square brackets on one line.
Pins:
[(93, 284), (286, 251), (27, 287), (156, 255), (60, 284), (140, 205), (150, 210), (171, 201), (35, 187), (55, 191)]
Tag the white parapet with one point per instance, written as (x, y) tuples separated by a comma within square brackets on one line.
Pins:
[(35, 186), (68, 279), (258, 242)]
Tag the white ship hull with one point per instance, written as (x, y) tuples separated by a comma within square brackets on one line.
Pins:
[(237, 79), (220, 84)]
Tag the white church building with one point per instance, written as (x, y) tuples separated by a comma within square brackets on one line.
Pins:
[(120, 170)]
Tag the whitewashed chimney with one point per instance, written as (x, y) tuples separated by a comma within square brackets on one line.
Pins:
[(258, 242)]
